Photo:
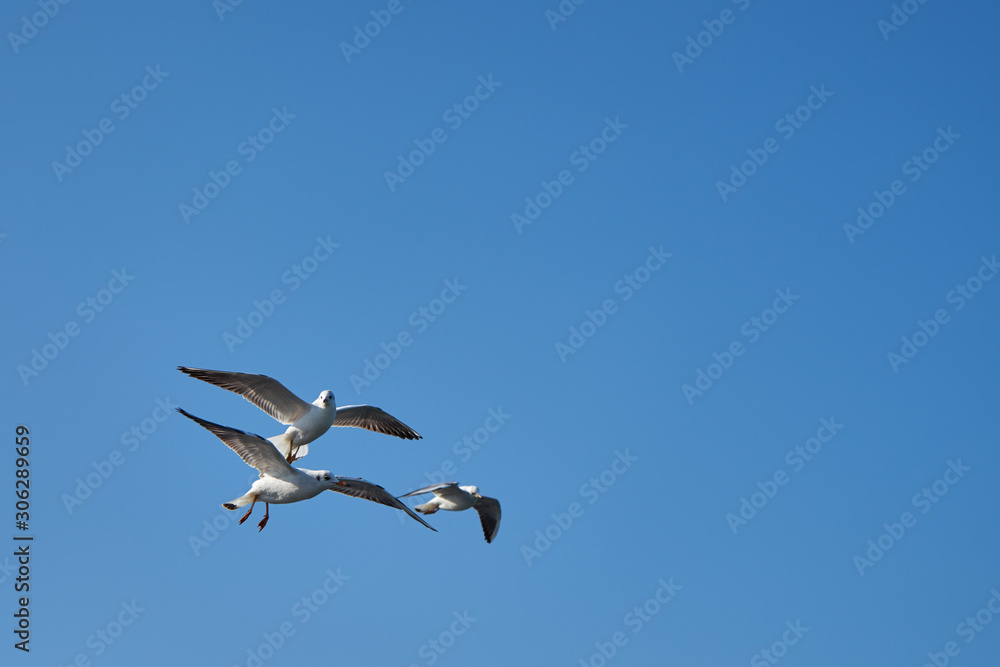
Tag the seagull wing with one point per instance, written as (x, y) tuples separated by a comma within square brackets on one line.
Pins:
[(359, 488), (266, 393), (374, 419), (489, 516), (255, 450), (433, 487)]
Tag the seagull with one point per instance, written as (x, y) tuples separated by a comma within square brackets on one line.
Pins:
[(280, 483), (305, 421), (454, 498)]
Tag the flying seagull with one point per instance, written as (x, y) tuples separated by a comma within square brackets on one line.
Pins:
[(305, 421), (454, 498), (280, 483)]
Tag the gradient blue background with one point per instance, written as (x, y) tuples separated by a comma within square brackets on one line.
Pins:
[(494, 347)]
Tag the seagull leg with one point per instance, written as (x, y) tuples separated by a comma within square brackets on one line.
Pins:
[(291, 454), (247, 515), (263, 522)]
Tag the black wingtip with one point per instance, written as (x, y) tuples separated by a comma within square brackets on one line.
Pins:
[(196, 420), (190, 416), (196, 373)]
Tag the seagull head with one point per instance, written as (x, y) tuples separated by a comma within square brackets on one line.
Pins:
[(471, 490), (325, 399), (327, 478)]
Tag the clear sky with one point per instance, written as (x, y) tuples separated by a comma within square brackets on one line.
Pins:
[(703, 293)]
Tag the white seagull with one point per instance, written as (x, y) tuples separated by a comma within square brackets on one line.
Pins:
[(305, 421), (454, 498), (280, 483)]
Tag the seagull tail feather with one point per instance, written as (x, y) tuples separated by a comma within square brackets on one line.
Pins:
[(426, 508), (238, 502)]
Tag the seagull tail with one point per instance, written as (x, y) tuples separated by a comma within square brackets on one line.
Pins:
[(238, 502), (427, 508)]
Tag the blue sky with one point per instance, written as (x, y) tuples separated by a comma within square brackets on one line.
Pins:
[(723, 270)]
